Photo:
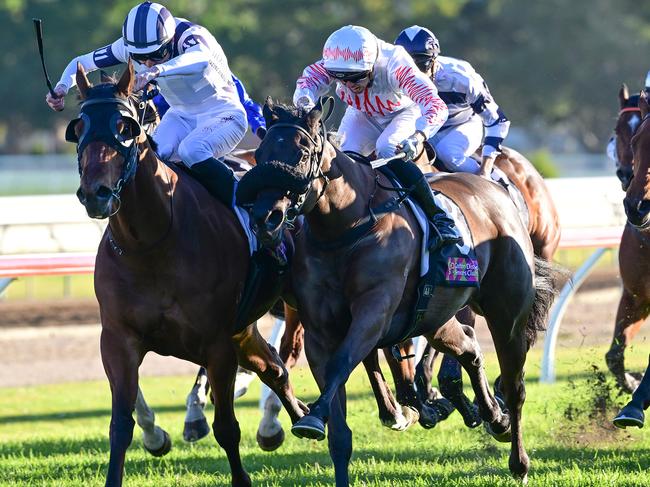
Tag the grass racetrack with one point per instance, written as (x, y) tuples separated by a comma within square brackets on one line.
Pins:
[(57, 435)]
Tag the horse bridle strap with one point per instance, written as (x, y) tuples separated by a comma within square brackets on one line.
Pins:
[(108, 110)]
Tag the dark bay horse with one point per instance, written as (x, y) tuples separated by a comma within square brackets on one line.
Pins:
[(355, 289), (544, 230), (170, 270), (634, 250)]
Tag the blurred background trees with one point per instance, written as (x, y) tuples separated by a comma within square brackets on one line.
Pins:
[(555, 67)]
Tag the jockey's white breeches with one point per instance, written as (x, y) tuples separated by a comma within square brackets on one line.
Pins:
[(365, 135), (455, 145), (195, 138)]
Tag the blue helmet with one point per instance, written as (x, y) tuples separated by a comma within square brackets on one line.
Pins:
[(421, 44)]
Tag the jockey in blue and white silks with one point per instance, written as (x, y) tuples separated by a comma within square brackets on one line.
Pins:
[(392, 107), (474, 117), (206, 119)]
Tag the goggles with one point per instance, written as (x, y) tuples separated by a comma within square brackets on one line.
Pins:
[(159, 54), (352, 77)]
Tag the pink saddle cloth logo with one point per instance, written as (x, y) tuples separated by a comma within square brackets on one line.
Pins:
[(461, 269)]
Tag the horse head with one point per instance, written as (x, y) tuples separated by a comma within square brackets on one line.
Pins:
[(288, 178), (637, 197), (629, 119), (107, 134)]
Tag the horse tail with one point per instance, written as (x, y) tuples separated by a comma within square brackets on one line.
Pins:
[(547, 278)]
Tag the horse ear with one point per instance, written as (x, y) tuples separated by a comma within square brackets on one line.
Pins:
[(643, 103), (314, 116), (82, 81), (125, 84), (623, 95), (269, 112)]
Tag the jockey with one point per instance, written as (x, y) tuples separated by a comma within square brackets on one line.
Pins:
[(470, 104), (206, 120), (392, 108)]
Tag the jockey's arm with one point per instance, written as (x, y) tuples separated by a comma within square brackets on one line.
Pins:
[(407, 78), (494, 120), (104, 57), (253, 110), (314, 83)]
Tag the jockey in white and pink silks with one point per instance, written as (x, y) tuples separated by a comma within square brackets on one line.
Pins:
[(392, 107), (206, 119)]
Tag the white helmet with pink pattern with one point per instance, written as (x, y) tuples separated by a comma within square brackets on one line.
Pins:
[(351, 48)]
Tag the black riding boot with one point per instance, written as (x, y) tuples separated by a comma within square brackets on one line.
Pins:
[(444, 229), (217, 178)]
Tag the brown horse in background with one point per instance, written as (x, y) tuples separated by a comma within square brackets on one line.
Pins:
[(169, 273), (355, 290), (633, 150)]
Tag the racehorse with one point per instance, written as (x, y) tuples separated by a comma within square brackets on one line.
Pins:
[(354, 284), (544, 229), (633, 149), (170, 270)]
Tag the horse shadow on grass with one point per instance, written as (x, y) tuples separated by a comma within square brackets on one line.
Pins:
[(314, 467)]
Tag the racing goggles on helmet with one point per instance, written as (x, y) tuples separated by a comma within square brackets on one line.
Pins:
[(423, 61), (351, 76), (159, 54)]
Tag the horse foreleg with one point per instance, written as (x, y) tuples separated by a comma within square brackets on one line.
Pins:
[(630, 316), (121, 360), (255, 354), (424, 374), (155, 439), (222, 368), (369, 318), (196, 425), (391, 414), (293, 338), (339, 438)]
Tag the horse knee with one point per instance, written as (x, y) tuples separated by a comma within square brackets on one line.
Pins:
[(227, 433), (121, 431)]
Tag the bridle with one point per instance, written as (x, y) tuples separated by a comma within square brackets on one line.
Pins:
[(106, 112), (314, 159)]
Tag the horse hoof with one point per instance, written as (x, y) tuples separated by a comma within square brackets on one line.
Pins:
[(629, 416), (309, 427), (195, 430), (504, 437), (164, 449), (270, 443)]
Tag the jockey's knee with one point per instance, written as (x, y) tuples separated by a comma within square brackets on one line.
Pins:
[(164, 151), (460, 163), (191, 152)]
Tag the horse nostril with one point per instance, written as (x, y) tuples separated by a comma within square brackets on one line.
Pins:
[(104, 192), (644, 207)]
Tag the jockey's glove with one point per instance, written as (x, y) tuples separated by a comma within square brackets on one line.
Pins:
[(411, 146), (144, 77), (305, 103), (58, 102)]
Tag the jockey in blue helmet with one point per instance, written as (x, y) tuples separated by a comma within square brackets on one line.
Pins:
[(474, 117)]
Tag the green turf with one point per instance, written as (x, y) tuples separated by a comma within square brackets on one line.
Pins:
[(57, 435)]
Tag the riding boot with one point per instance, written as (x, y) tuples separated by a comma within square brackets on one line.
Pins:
[(410, 175), (445, 231), (217, 178)]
